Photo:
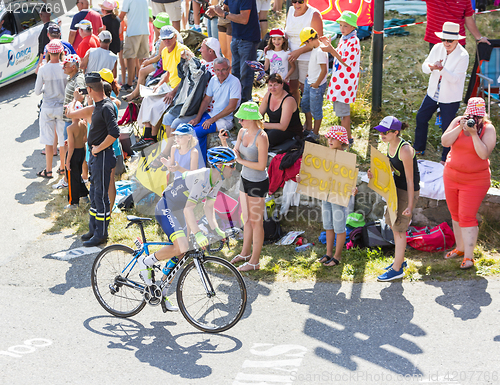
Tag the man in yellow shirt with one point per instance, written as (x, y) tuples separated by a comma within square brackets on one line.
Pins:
[(171, 57)]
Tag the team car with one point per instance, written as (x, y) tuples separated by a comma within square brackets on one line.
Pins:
[(20, 26)]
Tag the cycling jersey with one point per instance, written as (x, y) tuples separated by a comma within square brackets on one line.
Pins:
[(193, 186)]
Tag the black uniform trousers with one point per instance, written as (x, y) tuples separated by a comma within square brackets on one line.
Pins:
[(100, 167), (76, 187)]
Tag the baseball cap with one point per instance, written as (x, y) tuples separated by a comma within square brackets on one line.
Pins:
[(93, 77), (213, 43), (55, 46), (476, 107), (72, 58), (54, 29), (276, 32), (167, 32), (105, 35), (306, 34), (248, 111), (161, 20), (389, 123), (349, 17), (78, 106), (84, 24), (108, 5), (106, 75), (184, 129), (339, 133)]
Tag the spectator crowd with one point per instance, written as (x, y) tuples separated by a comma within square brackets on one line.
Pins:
[(192, 97)]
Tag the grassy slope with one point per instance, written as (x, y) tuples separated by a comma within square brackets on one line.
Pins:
[(403, 90)]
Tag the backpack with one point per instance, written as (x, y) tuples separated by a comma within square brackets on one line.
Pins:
[(438, 238), (272, 230), (377, 233)]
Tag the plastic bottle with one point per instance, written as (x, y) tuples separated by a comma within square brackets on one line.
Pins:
[(170, 265), (304, 247)]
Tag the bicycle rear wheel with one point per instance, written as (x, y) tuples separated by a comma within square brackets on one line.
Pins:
[(119, 292), (222, 306)]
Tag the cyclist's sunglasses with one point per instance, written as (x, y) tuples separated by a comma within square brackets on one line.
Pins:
[(232, 165)]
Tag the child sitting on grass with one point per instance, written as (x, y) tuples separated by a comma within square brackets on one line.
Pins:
[(77, 136)]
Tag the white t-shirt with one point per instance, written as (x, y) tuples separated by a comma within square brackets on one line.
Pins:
[(314, 70), (278, 62)]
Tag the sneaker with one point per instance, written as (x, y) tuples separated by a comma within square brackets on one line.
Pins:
[(85, 199), (196, 29), (144, 271), (142, 144), (60, 184), (404, 266), (71, 207), (166, 305), (126, 88), (391, 275)]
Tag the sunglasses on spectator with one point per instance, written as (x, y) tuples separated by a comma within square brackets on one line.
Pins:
[(447, 41), (298, 1)]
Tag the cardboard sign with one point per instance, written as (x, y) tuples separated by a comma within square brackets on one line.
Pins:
[(331, 9), (383, 181), (329, 175)]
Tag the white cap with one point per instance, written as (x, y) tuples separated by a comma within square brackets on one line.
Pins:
[(213, 43), (105, 35)]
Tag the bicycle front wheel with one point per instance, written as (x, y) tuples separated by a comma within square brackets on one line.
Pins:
[(118, 289), (212, 298)]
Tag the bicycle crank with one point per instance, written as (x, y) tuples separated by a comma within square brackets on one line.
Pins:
[(152, 295)]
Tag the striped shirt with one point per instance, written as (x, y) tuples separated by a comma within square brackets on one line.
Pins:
[(441, 11), (77, 81)]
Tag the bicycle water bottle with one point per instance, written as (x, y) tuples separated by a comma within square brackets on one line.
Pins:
[(303, 247), (170, 265)]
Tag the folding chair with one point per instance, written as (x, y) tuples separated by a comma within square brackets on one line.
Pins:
[(485, 75)]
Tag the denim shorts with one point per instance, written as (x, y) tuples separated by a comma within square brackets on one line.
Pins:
[(312, 100), (334, 217)]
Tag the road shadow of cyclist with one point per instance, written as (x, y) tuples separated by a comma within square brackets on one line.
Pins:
[(359, 327), (153, 345)]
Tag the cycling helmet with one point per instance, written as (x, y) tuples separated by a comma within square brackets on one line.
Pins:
[(220, 155)]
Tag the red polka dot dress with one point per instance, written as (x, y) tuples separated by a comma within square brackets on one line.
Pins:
[(344, 82)]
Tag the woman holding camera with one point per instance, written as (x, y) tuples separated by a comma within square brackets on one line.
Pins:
[(467, 175)]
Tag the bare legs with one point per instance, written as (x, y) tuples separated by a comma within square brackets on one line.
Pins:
[(399, 252), (143, 74), (253, 230), (346, 123), (330, 239), (225, 45), (466, 239)]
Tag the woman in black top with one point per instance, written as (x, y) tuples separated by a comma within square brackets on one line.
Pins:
[(283, 112), (403, 161), (112, 24)]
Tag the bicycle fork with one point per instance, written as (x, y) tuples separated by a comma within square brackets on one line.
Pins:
[(204, 277)]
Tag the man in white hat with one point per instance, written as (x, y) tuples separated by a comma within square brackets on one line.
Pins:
[(456, 11), (89, 40), (84, 13), (98, 58), (447, 64)]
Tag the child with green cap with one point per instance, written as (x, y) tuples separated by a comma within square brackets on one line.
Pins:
[(251, 152), (344, 82)]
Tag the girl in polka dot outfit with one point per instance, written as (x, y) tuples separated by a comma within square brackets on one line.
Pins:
[(344, 82)]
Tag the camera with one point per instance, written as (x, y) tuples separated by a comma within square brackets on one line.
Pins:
[(83, 90), (225, 133), (471, 122)]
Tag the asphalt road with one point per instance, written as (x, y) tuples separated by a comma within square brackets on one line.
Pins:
[(53, 331)]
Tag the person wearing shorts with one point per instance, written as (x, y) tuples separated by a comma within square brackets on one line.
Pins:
[(136, 44), (173, 8), (51, 80), (263, 7)]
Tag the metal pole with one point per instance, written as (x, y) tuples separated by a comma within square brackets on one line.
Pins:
[(377, 52)]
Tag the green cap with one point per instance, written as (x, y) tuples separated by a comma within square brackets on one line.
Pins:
[(249, 111), (150, 12), (161, 20), (349, 17), (355, 220)]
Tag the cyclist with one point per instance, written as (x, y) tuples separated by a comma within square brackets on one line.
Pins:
[(175, 210)]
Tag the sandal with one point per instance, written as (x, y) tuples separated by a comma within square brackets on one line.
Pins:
[(331, 261), (453, 254), (61, 172), (240, 258), (45, 174), (324, 258), (463, 265), (249, 267)]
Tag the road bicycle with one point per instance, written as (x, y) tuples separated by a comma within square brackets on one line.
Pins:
[(211, 293)]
